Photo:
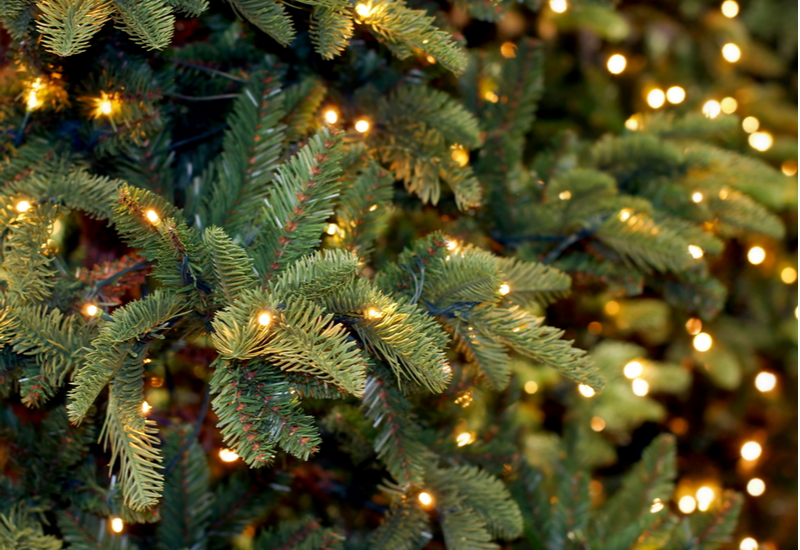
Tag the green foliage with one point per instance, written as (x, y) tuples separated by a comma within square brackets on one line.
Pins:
[(67, 27), (18, 531), (304, 534), (149, 22)]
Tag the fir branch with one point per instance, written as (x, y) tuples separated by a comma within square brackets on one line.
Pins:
[(149, 22), (68, 26), (331, 30)]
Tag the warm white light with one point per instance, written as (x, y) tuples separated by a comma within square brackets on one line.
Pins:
[(731, 52), (558, 6), (362, 126), (565, 195), (146, 407), (751, 450), (152, 216), (460, 155), (465, 438), (750, 124), (624, 214), (508, 50), (33, 100), (611, 307), (705, 496), (632, 123), (788, 275), (729, 105), (363, 10), (633, 370), (598, 424), (657, 506), (226, 455), (789, 168), (702, 342), (264, 319), (748, 544), (656, 98), (766, 381), (697, 197), (531, 387), (730, 8), (687, 504), (116, 525), (491, 96), (373, 313), (504, 289), (696, 251), (616, 63), (640, 387), (91, 310), (694, 326), (332, 229), (23, 206), (756, 255), (756, 487), (676, 95), (586, 391), (331, 116), (712, 108), (760, 141), (425, 498)]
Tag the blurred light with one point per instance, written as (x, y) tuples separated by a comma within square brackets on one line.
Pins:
[(616, 63), (632, 123), (425, 498), (504, 289), (696, 251), (697, 197), (730, 8), (595, 327), (640, 387), (362, 126), (712, 108), (694, 326), (586, 391), (152, 216), (598, 424), (633, 370), (731, 52), (611, 307), (508, 50), (729, 105), (756, 255), (679, 426), (465, 438), (756, 487), (657, 506), (750, 124), (105, 107), (146, 407), (558, 6), (363, 10), (451, 245), (117, 525), (760, 141), (264, 319), (23, 206), (531, 387), (705, 496), (789, 168), (91, 310), (624, 214), (723, 194), (460, 155), (373, 208), (430, 59), (373, 313), (565, 195), (748, 544), (788, 275), (465, 399), (751, 450), (702, 342), (332, 229), (655, 98), (491, 96), (33, 100), (687, 504), (766, 381), (676, 95), (331, 116), (226, 455)]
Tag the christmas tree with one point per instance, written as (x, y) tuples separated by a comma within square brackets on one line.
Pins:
[(393, 275)]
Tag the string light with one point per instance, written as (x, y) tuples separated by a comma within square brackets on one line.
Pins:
[(598, 424), (117, 525), (697, 197), (748, 544), (586, 391), (676, 95), (705, 496), (766, 381), (640, 387), (373, 313), (624, 214), (362, 126), (363, 10), (565, 195), (264, 319), (712, 108), (760, 141), (152, 216), (531, 387), (731, 52), (723, 194), (632, 123), (750, 124), (465, 399), (729, 105), (430, 59), (331, 116), (751, 450), (332, 229), (789, 168), (611, 307), (558, 6), (460, 155), (702, 342), (226, 455), (508, 50), (756, 255), (788, 275), (504, 289), (451, 245), (730, 8), (595, 327), (91, 310), (425, 498), (23, 206), (146, 407), (756, 487), (616, 63), (657, 506), (695, 251), (694, 326), (633, 370), (687, 504), (465, 438), (655, 98), (491, 96), (105, 105)]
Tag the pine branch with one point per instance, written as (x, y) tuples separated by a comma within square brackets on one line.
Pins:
[(531, 282), (405, 527), (302, 101), (268, 15), (67, 26), (149, 22), (302, 534), (231, 266), (331, 30)]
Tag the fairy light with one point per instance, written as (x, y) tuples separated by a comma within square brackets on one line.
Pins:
[(640, 387), (788, 275), (491, 96), (23, 206), (705, 496), (760, 141), (152, 216), (748, 543), (756, 255), (451, 245), (655, 98), (531, 387), (731, 52), (687, 504), (558, 6), (373, 208), (425, 498), (146, 407), (728, 105), (465, 438), (712, 108), (633, 370), (751, 450), (331, 116), (460, 155), (508, 50), (694, 326), (756, 487), (695, 251), (504, 289), (565, 195), (362, 126), (117, 525), (697, 197), (766, 381), (598, 424), (657, 506), (332, 229), (264, 319), (723, 194), (32, 101), (750, 124), (624, 214), (595, 327), (632, 123), (676, 94), (227, 455), (730, 8), (616, 63), (611, 307), (586, 391), (702, 342), (105, 105), (430, 59), (363, 10), (789, 168), (465, 399), (373, 313), (91, 310)]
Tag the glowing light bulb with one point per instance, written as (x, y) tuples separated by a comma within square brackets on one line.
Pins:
[(697, 197), (264, 319), (694, 326), (657, 506), (748, 544), (226, 455), (362, 126), (105, 105), (425, 498), (632, 123), (723, 194), (730, 8), (430, 59), (756, 255), (331, 116), (460, 155), (505, 289), (751, 450), (655, 98), (760, 141), (702, 342), (731, 52), (508, 50), (789, 168), (766, 381), (676, 95), (23, 206), (750, 124), (687, 504), (32, 101), (373, 313), (465, 438), (712, 108), (695, 251), (705, 496), (91, 310), (756, 487), (633, 370), (363, 10), (598, 424), (788, 275), (729, 105), (531, 387), (624, 214), (595, 327), (332, 229), (452, 245), (640, 387), (558, 6), (565, 195), (611, 307), (152, 216), (146, 407), (616, 63), (491, 96), (586, 391), (117, 525)]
